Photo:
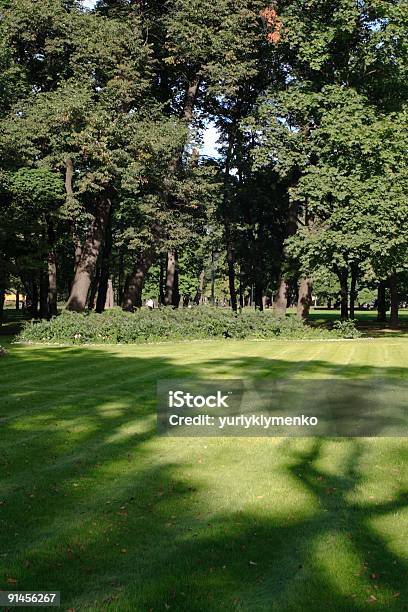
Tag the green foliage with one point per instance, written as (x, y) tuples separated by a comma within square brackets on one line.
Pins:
[(346, 329), (340, 137), (325, 283), (167, 324), (310, 104), (38, 187), (366, 295)]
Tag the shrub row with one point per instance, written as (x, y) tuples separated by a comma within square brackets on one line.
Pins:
[(114, 326)]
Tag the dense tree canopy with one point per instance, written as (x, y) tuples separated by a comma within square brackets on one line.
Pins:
[(106, 198)]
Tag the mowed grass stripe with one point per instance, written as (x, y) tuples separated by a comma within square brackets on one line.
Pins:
[(98, 352), (84, 382), (91, 353), (66, 370), (79, 371)]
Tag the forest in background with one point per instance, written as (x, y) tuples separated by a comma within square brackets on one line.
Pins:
[(106, 199)]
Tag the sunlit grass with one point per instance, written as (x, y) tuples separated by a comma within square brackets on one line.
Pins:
[(95, 505)]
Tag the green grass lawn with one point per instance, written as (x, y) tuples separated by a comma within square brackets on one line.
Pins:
[(94, 504)]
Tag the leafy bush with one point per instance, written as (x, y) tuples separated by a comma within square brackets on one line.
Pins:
[(166, 324), (346, 329)]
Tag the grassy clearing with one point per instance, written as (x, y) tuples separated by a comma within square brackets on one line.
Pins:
[(95, 505)]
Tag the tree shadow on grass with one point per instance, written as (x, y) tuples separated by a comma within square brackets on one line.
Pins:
[(97, 506), (249, 561)]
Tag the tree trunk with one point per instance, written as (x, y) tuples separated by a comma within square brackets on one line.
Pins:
[(52, 285), (110, 297), (161, 282), (241, 291), (176, 289), (2, 300), (212, 299), (231, 273), (394, 298), (353, 291), (121, 268), (102, 289), (304, 298), (87, 264), (52, 271), (190, 98), (343, 280), (43, 295), (134, 284), (281, 298), (93, 288), (69, 177), (105, 267), (172, 296), (259, 304), (200, 289), (3, 286), (34, 299), (381, 305), (17, 300), (77, 253)]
